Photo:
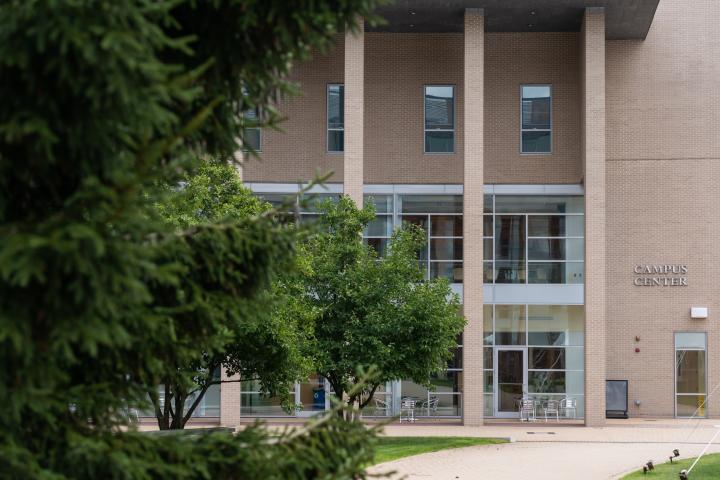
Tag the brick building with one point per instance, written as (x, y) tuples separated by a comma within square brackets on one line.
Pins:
[(564, 158)]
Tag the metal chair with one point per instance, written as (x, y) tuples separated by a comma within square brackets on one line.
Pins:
[(407, 407), (431, 405), (567, 405), (527, 410), (381, 407), (552, 407)]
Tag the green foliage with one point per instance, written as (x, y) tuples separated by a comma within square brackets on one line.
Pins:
[(371, 312), (214, 323), (104, 102)]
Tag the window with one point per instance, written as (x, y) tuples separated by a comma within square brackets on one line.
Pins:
[(690, 374), (536, 119), (378, 232), (441, 217), (535, 239), (439, 119), (307, 206), (251, 130), (335, 118)]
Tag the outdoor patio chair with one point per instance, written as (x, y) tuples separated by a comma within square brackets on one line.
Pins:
[(552, 407), (407, 407), (381, 407), (568, 405), (431, 405), (527, 410)]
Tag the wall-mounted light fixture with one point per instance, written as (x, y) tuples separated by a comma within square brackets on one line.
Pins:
[(699, 312)]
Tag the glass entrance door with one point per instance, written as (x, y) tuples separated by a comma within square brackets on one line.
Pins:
[(511, 380)]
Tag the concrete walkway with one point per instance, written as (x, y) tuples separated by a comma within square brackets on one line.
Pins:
[(541, 451)]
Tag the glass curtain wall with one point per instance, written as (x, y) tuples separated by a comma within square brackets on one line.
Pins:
[(690, 374), (552, 337), (534, 239)]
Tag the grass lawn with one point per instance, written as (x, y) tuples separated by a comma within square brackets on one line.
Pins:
[(708, 467), (392, 448)]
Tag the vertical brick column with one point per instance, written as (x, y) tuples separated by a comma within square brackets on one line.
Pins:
[(592, 78), (473, 183), (354, 105), (229, 400)]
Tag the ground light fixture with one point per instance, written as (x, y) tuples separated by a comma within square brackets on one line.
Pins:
[(648, 466), (685, 474), (676, 453)]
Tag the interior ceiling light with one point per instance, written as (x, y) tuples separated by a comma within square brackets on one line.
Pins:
[(531, 25)]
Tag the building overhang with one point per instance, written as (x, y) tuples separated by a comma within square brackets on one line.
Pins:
[(624, 19)]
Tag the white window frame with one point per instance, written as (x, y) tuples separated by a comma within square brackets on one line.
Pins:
[(327, 119), (550, 130), (454, 120)]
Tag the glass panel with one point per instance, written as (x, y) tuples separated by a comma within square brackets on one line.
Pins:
[(487, 226), (380, 404), (509, 272), (546, 249), (431, 203), (690, 340), (312, 394), (313, 201), (488, 248), (546, 382), (488, 328), (453, 271), (336, 140), (446, 249), (575, 383), (536, 142), (546, 358), (251, 139), (382, 203), (257, 404), (442, 406), (487, 203), (419, 220), (510, 237), (488, 357), (510, 324), (439, 107), (556, 325), (210, 404), (413, 391), (278, 199), (446, 226), (456, 360), (690, 405), (510, 379), (446, 382), (439, 141), (380, 227), (536, 107), (539, 204), (488, 381), (556, 226), (487, 272), (690, 371), (335, 106), (379, 244), (489, 409), (575, 358), (555, 272)]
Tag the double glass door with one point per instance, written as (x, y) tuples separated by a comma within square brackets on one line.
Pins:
[(510, 380)]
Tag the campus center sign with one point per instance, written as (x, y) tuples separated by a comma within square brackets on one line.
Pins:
[(660, 275)]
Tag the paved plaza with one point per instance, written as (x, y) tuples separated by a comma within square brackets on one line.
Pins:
[(541, 451)]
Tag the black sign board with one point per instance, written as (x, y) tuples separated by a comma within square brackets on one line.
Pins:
[(616, 399)]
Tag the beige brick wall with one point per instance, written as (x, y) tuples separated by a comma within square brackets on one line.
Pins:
[(473, 218), (300, 149), (397, 66), (354, 113), (663, 175), (593, 152), (229, 401)]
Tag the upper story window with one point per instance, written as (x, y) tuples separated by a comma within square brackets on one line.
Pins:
[(439, 119), (536, 119), (251, 130), (335, 118)]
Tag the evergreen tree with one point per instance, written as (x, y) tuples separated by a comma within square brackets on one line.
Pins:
[(103, 102)]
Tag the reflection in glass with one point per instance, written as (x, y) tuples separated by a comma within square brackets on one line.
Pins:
[(510, 324)]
